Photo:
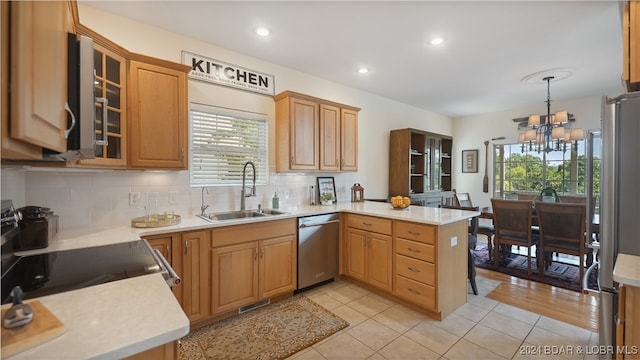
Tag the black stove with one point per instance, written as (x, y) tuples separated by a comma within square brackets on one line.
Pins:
[(60, 271)]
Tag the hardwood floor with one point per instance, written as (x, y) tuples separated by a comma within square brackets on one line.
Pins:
[(568, 306)]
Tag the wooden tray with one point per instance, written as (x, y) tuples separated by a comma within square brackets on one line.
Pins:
[(163, 220), (44, 327)]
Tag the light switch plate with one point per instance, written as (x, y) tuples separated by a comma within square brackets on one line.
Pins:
[(454, 241)]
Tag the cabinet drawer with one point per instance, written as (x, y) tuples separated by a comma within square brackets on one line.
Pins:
[(416, 250), (416, 292), (368, 223), (415, 269), (416, 232), (237, 234)]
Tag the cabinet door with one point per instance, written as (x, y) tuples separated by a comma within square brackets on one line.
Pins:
[(304, 138), (163, 244), (329, 138), (356, 254), (158, 117), (196, 286), (234, 270), (39, 73), (277, 266), (349, 140), (379, 258), (110, 78)]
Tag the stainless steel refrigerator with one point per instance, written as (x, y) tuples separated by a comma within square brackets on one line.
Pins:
[(619, 200)]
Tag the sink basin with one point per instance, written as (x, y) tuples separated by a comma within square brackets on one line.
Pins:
[(231, 215), (272, 212)]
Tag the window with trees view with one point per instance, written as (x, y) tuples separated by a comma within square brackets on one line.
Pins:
[(518, 170)]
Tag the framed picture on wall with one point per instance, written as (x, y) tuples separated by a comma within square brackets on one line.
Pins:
[(326, 185), (469, 161)]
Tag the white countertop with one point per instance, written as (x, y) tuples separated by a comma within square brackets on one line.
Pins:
[(96, 236), (627, 270), (121, 318), (112, 320)]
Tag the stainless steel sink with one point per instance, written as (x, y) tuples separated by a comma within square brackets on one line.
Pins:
[(271, 212), (233, 215)]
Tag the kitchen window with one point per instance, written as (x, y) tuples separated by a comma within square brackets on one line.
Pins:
[(222, 141), (520, 171)]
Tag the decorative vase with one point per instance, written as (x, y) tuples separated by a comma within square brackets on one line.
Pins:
[(326, 202)]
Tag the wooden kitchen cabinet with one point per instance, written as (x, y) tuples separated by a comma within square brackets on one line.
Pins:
[(157, 135), (420, 166), (196, 280), (369, 250), (631, 45), (313, 134), (415, 265), (329, 138), (110, 64), (349, 140), (252, 262), (627, 327), (38, 52), (168, 351)]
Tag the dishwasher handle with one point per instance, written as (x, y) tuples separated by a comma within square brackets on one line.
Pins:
[(305, 225)]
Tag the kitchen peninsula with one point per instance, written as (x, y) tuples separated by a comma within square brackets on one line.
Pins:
[(98, 314)]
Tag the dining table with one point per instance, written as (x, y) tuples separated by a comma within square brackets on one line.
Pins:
[(486, 212)]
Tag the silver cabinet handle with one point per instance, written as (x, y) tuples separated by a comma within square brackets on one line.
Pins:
[(262, 252), (186, 247), (366, 224), (414, 291), (255, 254), (413, 270), (73, 120), (105, 124), (414, 250), (414, 233)]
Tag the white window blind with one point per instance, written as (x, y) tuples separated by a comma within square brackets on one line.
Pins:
[(222, 141)]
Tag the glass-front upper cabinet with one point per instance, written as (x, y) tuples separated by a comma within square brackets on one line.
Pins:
[(110, 108)]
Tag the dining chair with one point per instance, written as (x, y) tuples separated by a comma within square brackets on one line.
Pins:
[(562, 230), (472, 240), (512, 222), (548, 194), (464, 199)]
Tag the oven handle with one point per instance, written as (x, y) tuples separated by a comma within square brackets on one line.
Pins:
[(171, 277)]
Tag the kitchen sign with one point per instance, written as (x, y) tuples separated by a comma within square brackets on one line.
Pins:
[(225, 74)]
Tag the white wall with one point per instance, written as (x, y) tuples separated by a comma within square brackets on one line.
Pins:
[(471, 133), (101, 198)]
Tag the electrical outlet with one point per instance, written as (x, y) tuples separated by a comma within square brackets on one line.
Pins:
[(172, 197), (134, 198), (454, 241)]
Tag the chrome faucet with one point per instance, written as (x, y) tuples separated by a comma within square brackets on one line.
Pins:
[(243, 193), (203, 207)]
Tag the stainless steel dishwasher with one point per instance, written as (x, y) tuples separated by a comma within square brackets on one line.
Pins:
[(317, 249)]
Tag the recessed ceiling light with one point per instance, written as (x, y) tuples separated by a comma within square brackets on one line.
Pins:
[(363, 70), (436, 41), (262, 31)]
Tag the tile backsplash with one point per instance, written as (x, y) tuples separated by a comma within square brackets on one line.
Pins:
[(100, 198)]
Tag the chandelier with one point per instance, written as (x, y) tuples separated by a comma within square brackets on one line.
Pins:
[(550, 132)]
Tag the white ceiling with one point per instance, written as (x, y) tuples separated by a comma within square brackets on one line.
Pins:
[(491, 45)]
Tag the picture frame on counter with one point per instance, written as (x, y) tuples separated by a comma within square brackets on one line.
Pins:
[(470, 161), (326, 184)]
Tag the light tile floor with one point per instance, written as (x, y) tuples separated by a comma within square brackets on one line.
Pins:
[(481, 329)]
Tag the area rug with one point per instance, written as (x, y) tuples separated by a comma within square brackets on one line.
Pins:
[(558, 274), (275, 331)]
